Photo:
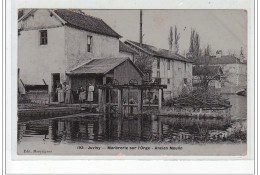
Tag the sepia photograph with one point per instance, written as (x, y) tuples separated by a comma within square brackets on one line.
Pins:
[(137, 82)]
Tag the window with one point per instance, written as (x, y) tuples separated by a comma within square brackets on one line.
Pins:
[(89, 44), (43, 37), (158, 74), (169, 64), (185, 65), (158, 63), (168, 81)]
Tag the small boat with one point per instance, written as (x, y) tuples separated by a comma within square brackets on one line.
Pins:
[(241, 92)]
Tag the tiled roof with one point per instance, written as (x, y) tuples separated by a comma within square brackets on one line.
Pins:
[(100, 66), (86, 22), (206, 70), (227, 59), (124, 48), (154, 51)]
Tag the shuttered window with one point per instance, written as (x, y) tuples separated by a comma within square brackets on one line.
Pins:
[(89, 44), (158, 63), (43, 37)]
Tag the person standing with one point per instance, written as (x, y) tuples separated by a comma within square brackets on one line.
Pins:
[(91, 89), (82, 94), (60, 93), (68, 94)]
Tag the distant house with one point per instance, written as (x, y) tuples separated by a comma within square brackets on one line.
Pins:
[(168, 68), (234, 70), (54, 42)]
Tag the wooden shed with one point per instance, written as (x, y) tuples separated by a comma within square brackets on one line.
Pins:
[(103, 71)]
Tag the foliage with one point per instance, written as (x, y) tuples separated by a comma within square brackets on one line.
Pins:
[(207, 50), (145, 63)]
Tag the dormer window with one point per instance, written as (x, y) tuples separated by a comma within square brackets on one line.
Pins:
[(43, 37), (89, 44)]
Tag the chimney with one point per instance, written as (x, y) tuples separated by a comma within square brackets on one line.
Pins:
[(218, 53), (141, 28)]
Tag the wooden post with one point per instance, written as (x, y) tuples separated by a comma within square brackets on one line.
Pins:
[(160, 99), (120, 101), (100, 102), (160, 127), (140, 101), (140, 111), (120, 111)]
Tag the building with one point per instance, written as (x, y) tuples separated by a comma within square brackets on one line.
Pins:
[(234, 71), (53, 42), (167, 67), (104, 71), (126, 51)]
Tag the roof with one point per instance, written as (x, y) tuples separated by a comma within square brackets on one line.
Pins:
[(227, 59), (157, 52), (101, 66), (206, 70), (125, 48), (82, 21)]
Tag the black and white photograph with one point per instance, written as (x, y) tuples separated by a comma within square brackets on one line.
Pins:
[(137, 82)]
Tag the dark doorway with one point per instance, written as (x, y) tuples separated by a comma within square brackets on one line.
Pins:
[(55, 83), (108, 92)]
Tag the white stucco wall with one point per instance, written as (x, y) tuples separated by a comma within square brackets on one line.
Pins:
[(37, 62), (76, 46), (66, 48), (236, 77), (176, 74)]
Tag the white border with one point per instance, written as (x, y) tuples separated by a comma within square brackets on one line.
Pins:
[(108, 166)]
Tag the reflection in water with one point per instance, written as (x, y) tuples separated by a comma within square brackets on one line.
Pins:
[(78, 130), (148, 129)]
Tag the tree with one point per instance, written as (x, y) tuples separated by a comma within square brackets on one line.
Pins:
[(207, 50), (195, 49), (174, 41), (170, 39), (145, 63)]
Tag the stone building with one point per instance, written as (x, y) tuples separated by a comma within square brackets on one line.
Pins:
[(234, 71), (53, 42), (168, 68)]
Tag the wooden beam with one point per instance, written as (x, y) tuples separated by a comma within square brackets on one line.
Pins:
[(160, 99), (140, 111), (120, 111), (140, 101), (120, 101), (100, 102)]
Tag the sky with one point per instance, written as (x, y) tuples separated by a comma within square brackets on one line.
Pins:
[(224, 30)]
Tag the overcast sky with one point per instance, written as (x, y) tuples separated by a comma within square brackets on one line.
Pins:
[(223, 29)]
